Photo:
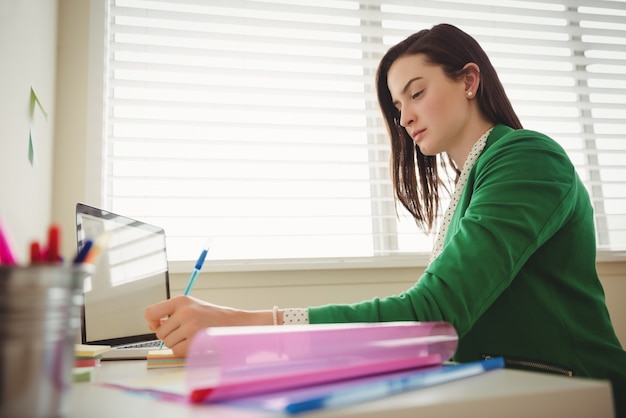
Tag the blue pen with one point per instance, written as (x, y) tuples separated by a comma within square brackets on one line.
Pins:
[(194, 273), (196, 269), (367, 391)]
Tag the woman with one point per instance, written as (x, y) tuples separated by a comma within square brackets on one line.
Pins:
[(513, 267)]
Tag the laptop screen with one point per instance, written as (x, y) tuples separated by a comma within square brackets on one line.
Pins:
[(131, 272)]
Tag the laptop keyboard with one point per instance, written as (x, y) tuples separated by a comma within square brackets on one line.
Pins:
[(145, 344)]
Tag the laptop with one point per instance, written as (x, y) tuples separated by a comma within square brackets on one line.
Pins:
[(131, 273)]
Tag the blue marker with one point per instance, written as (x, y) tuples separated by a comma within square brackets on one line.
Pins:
[(82, 253), (396, 383), (194, 273)]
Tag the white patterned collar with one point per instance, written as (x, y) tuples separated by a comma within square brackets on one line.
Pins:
[(458, 190)]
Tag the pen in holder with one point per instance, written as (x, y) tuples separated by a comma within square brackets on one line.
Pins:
[(40, 310)]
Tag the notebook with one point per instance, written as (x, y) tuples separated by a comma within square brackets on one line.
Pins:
[(131, 273)]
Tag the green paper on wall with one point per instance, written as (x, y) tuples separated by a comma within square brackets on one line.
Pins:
[(34, 102)]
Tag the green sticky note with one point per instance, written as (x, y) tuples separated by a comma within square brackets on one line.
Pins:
[(34, 103), (31, 148), (34, 100)]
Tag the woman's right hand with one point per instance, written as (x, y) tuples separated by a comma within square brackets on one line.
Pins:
[(177, 320)]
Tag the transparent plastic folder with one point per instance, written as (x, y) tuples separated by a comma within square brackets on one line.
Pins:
[(231, 362)]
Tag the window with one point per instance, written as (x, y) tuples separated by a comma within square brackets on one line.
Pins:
[(255, 122)]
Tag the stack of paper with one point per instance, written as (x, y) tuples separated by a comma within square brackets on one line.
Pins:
[(294, 369), (86, 358), (90, 351), (158, 359)]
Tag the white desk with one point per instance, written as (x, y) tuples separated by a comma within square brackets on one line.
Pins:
[(497, 394)]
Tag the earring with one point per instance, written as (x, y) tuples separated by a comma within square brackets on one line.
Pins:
[(470, 94)]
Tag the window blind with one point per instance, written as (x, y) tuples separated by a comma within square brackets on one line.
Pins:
[(255, 123)]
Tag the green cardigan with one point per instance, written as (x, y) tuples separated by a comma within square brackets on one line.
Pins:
[(517, 274)]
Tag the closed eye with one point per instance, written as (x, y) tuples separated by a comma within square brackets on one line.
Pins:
[(416, 95)]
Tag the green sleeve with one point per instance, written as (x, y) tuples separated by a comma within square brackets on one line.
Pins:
[(519, 193)]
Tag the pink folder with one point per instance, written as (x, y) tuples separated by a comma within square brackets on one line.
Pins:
[(231, 362)]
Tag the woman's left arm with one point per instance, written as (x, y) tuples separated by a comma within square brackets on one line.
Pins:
[(518, 195)]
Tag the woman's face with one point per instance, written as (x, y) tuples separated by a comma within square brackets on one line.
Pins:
[(434, 109)]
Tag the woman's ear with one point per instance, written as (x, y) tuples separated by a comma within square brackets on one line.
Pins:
[(471, 78)]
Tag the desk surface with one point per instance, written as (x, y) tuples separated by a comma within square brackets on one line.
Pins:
[(498, 393)]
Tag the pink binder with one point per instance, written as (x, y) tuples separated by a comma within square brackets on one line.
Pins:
[(231, 362)]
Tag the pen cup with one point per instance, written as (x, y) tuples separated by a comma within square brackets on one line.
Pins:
[(40, 314)]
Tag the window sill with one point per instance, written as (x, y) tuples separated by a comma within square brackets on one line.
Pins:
[(408, 260), (396, 261)]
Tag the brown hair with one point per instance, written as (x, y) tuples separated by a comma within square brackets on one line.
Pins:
[(415, 176)]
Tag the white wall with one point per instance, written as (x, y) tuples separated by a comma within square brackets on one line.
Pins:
[(70, 158), (28, 50)]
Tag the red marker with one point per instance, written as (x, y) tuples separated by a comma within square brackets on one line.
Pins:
[(53, 253), (35, 253)]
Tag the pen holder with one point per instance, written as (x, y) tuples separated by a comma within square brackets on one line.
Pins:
[(40, 311)]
